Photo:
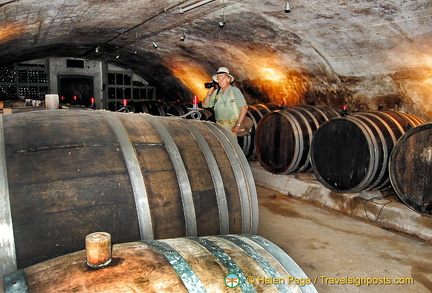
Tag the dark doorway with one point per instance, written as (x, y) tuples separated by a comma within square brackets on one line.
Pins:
[(75, 89)]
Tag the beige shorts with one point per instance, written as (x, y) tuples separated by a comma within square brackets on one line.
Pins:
[(228, 125)]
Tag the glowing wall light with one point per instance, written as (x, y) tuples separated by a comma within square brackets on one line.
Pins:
[(9, 31), (268, 72), (191, 74)]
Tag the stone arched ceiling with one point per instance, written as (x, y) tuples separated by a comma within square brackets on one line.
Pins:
[(320, 50)]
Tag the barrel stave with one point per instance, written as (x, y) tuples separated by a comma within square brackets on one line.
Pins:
[(228, 177), (387, 127), (199, 177), (310, 119), (247, 142)]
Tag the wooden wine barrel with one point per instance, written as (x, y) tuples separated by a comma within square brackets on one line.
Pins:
[(274, 106), (283, 138), (175, 109), (155, 108), (410, 168), (351, 154), (255, 112), (138, 107), (202, 264), (207, 114), (66, 174)]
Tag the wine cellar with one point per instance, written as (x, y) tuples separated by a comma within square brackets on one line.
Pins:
[(215, 146)]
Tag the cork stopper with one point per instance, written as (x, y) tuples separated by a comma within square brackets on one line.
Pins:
[(98, 249)]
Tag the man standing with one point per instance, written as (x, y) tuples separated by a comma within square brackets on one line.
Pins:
[(228, 102)]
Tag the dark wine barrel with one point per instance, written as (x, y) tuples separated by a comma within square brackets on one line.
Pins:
[(207, 114), (175, 109), (138, 107), (283, 138), (351, 154), (410, 168), (201, 264), (247, 142), (155, 108), (135, 176), (255, 112), (274, 106)]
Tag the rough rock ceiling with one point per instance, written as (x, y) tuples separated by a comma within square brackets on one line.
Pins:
[(330, 39)]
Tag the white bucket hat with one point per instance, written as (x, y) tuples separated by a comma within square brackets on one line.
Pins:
[(222, 70)]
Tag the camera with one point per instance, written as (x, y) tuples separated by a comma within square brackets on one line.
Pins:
[(209, 85)]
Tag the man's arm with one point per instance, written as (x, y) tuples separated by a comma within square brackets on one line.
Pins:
[(206, 101), (242, 115)]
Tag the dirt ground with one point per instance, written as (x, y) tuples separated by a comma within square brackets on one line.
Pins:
[(333, 248)]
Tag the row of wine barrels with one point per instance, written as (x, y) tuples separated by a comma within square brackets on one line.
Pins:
[(255, 112), (159, 108), (67, 173), (175, 109), (155, 108), (351, 154), (283, 138), (410, 168), (242, 263)]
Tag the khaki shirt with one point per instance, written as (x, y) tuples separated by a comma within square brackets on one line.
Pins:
[(224, 107)]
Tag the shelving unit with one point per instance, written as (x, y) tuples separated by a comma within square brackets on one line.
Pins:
[(28, 81), (121, 86)]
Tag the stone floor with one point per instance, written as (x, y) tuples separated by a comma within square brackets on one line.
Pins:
[(330, 246)]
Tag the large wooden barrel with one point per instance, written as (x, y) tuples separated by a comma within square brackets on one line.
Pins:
[(152, 107), (283, 138), (255, 113), (175, 109), (351, 154), (242, 263), (206, 114), (410, 168), (66, 174)]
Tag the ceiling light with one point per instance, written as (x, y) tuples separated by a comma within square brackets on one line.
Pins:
[(223, 21), (287, 7), (193, 4)]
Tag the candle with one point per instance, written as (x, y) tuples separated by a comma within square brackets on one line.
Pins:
[(195, 102)]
